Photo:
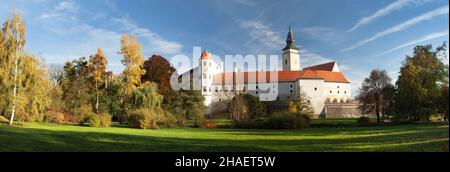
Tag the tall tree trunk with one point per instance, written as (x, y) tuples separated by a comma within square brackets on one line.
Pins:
[(96, 104), (14, 93)]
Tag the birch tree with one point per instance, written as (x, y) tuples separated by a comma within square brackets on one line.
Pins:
[(12, 43), (97, 67)]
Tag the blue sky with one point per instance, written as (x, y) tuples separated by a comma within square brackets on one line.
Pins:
[(359, 34)]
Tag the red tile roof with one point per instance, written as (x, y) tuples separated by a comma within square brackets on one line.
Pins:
[(283, 76), (326, 67)]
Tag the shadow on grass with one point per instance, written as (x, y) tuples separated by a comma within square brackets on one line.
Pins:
[(418, 138)]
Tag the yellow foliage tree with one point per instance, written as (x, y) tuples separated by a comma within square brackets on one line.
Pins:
[(133, 61), (97, 67)]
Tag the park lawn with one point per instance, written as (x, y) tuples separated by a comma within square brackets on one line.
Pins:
[(36, 137)]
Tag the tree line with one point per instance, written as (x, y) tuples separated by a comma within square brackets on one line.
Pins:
[(83, 90)]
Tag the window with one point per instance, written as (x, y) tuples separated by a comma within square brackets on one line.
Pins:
[(291, 91), (315, 89), (285, 61), (257, 87), (338, 92), (338, 86), (217, 89), (257, 92), (331, 92), (220, 100), (291, 86), (209, 89), (204, 89), (345, 92)]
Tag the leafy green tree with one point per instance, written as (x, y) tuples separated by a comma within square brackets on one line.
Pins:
[(418, 83), (76, 84)]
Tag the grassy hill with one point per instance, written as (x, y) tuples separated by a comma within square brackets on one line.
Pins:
[(51, 137)]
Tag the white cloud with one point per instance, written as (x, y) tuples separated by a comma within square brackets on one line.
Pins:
[(157, 43), (424, 17), (262, 33), (395, 6), (64, 10), (417, 41)]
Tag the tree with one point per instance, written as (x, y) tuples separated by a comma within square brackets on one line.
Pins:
[(76, 85), (133, 61), (372, 93), (159, 71), (97, 67), (302, 106), (12, 42), (418, 83), (239, 108)]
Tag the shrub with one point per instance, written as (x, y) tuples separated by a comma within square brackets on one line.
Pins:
[(151, 119), (85, 118), (363, 120), (208, 124), (288, 120), (55, 117), (250, 124), (3, 119), (94, 121), (105, 120)]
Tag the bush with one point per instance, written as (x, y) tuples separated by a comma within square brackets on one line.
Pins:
[(151, 119), (59, 117), (208, 124), (55, 117), (94, 121), (288, 120), (250, 124), (86, 118), (363, 120), (105, 120), (3, 119)]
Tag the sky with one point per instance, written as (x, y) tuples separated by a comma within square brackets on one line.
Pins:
[(360, 35)]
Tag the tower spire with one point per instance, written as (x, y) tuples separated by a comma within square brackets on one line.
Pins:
[(290, 41)]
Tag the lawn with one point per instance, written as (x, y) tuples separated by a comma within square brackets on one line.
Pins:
[(52, 137)]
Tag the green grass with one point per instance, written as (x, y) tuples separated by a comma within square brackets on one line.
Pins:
[(52, 137)]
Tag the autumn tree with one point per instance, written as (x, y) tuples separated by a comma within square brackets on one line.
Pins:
[(97, 67), (12, 42), (159, 71), (133, 61), (372, 93)]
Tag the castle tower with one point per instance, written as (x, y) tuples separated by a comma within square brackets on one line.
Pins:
[(291, 54), (208, 68)]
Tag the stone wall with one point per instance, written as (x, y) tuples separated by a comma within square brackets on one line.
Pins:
[(341, 110)]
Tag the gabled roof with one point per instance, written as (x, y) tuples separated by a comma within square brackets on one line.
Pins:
[(206, 55), (325, 67)]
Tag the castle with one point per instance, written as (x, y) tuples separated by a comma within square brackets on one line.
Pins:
[(326, 88)]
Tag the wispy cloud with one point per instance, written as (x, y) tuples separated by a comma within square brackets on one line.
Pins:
[(62, 11), (262, 33), (157, 43), (424, 17), (417, 41), (395, 6)]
